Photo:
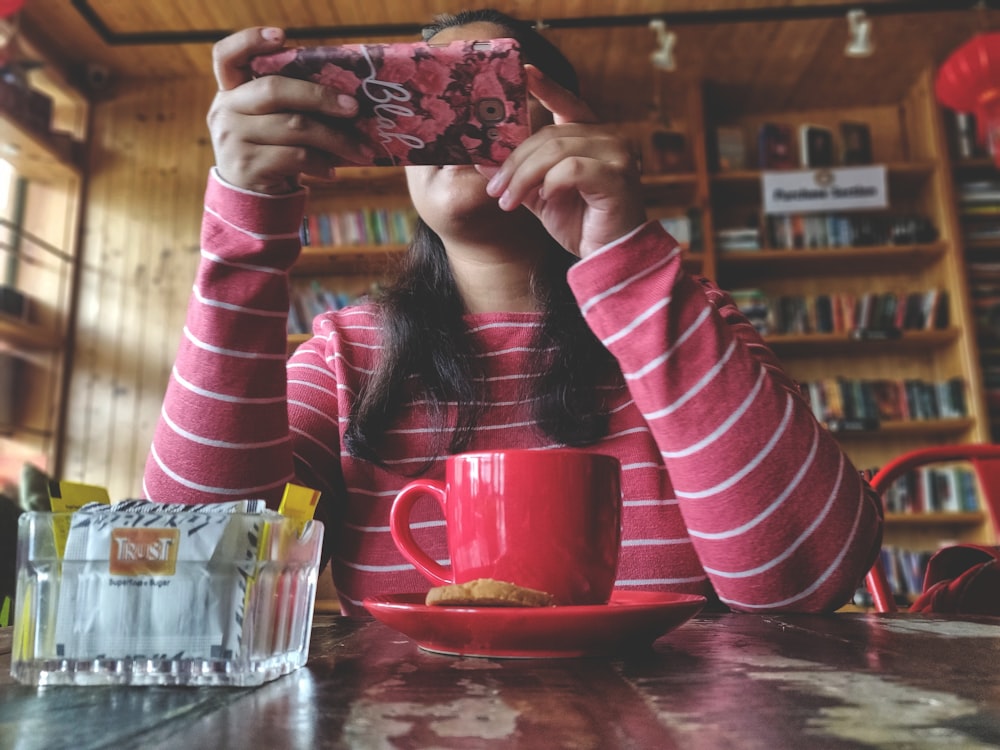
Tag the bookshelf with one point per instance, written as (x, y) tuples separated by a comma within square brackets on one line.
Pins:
[(355, 231), (909, 139), (42, 183), (977, 191)]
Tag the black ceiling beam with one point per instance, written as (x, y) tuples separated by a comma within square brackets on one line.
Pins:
[(678, 18)]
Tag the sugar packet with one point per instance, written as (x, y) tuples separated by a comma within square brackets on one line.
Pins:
[(158, 581)]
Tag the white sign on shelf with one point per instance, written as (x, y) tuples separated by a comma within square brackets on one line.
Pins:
[(825, 190)]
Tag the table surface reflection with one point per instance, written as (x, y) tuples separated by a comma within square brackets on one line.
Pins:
[(719, 681)]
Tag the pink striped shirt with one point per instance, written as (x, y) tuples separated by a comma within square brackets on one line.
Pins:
[(728, 480)]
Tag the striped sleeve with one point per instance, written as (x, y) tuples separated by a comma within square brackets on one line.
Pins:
[(223, 428), (778, 516)]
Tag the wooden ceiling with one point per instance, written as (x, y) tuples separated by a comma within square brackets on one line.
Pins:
[(758, 65)]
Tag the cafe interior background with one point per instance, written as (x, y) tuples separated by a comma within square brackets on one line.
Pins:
[(889, 316)]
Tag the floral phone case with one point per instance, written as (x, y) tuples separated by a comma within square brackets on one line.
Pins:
[(458, 103)]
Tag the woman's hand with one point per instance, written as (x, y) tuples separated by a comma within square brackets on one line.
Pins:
[(265, 131), (579, 178)]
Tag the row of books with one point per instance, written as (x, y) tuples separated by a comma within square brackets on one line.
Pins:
[(984, 298), (905, 569), (991, 385), (979, 208), (866, 315), (856, 404), (942, 488), (310, 300), (779, 148), (365, 226), (797, 232), (738, 239)]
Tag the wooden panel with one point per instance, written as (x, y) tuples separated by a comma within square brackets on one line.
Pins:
[(787, 65), (150, 157)]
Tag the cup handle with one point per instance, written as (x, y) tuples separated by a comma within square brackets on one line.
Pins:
[(399, 527)]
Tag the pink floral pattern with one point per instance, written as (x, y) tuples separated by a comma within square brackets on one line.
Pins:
[(461, 103)]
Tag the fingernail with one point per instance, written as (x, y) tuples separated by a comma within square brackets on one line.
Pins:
[(272, 34), (347, 102), (506, 200), (495, 183)]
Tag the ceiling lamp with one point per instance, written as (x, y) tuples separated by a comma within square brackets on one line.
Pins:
[(969, 81), (663, 57), (859, 35)]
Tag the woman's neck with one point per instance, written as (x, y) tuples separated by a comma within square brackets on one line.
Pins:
[(492, 279)]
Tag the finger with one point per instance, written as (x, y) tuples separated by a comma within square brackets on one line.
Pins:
[(532, 167), (282, 94), (296, 129), (231, 55), (527, 150), (606, 191), (564, 105)]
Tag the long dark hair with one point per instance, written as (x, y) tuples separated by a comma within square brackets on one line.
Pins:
[(424, 334)]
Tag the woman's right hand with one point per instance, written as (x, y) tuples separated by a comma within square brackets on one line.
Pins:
[(263, 131)]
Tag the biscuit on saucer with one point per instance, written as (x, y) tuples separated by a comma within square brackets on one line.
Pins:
[(485, 592)]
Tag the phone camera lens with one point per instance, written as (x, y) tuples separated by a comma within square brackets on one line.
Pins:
[(490, 110)]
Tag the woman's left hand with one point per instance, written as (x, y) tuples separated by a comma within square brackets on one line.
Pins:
[(581, 179)]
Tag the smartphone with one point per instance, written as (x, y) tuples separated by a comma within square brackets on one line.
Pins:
[(464, 102)]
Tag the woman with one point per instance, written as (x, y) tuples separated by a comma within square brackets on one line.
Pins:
[(537, 307)]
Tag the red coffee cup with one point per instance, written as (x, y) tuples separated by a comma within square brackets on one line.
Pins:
[(543, 519)]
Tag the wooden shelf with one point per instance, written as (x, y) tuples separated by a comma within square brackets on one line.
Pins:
[(318, 260), (899, 258), (810, 344), (981, 245), (296, 339), (23, 335), (935, 519), (37, 156), (903, 170), (912, 428), (370, 179), (979, 164), (689, 179)]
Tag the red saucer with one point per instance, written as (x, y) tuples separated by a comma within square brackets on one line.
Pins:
[(630, 620)]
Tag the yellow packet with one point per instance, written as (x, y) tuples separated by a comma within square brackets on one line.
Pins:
[(299, 504), (69, 497)]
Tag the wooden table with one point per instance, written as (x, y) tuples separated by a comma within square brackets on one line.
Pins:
[(720, 681)]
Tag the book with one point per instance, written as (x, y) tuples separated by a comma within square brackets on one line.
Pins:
[(730, 147), (775, 146), (678, 227), (815, 146), (965, 135), (856, 138)]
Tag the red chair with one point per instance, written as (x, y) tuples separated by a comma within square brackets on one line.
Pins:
[(985, 460)]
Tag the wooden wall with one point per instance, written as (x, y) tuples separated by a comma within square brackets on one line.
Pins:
[(149, 158)]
